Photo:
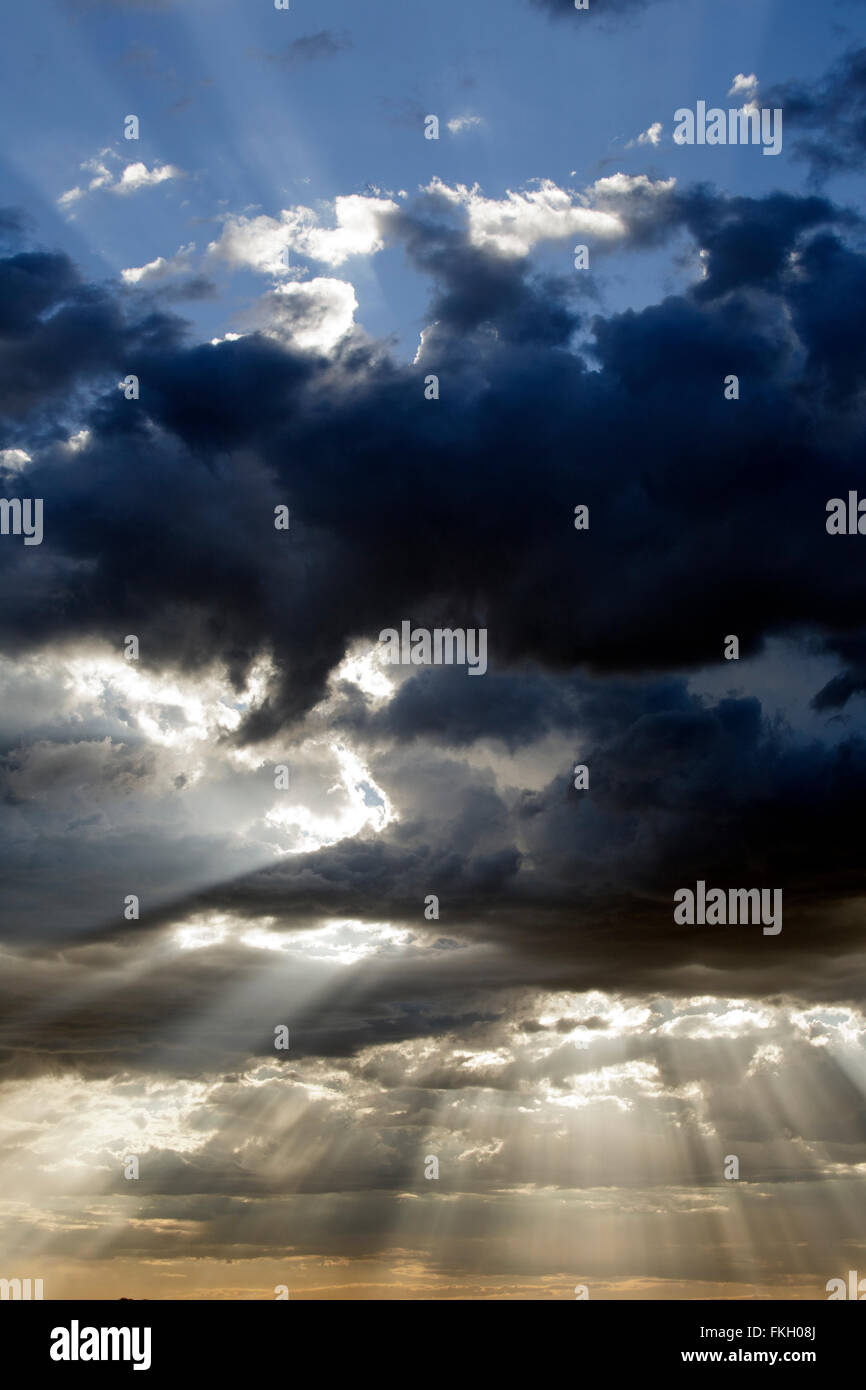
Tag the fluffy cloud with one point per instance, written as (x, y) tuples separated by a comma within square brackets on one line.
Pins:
[(160, 269), (514, 224), (652, 136), (312, 315), (259, 243), (744, 85), (131, 178)]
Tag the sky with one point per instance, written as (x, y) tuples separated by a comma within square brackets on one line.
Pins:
[(228, 823)]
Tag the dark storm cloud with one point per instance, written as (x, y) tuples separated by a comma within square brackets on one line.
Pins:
[(829, 116), (707, 517), (838, 691), (200, 1012), (749, 241), (836, 353), (554, 889), (475, 288), (58, 333), (485, 480), (32, 283), (575, 890), (706, 514), (442, 704)]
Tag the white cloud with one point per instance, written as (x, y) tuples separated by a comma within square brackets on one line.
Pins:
[(631, 186), (101, 175), (132, 178), (457, 124), (744, 85), (259, 243), (312, 315), (138, 175), (161, 268), (14, 460), (511, 225), (514, 224), (154, 270), (426, 335), (651, 136)]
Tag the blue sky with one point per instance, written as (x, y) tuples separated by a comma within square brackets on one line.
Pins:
[(556, 99)]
